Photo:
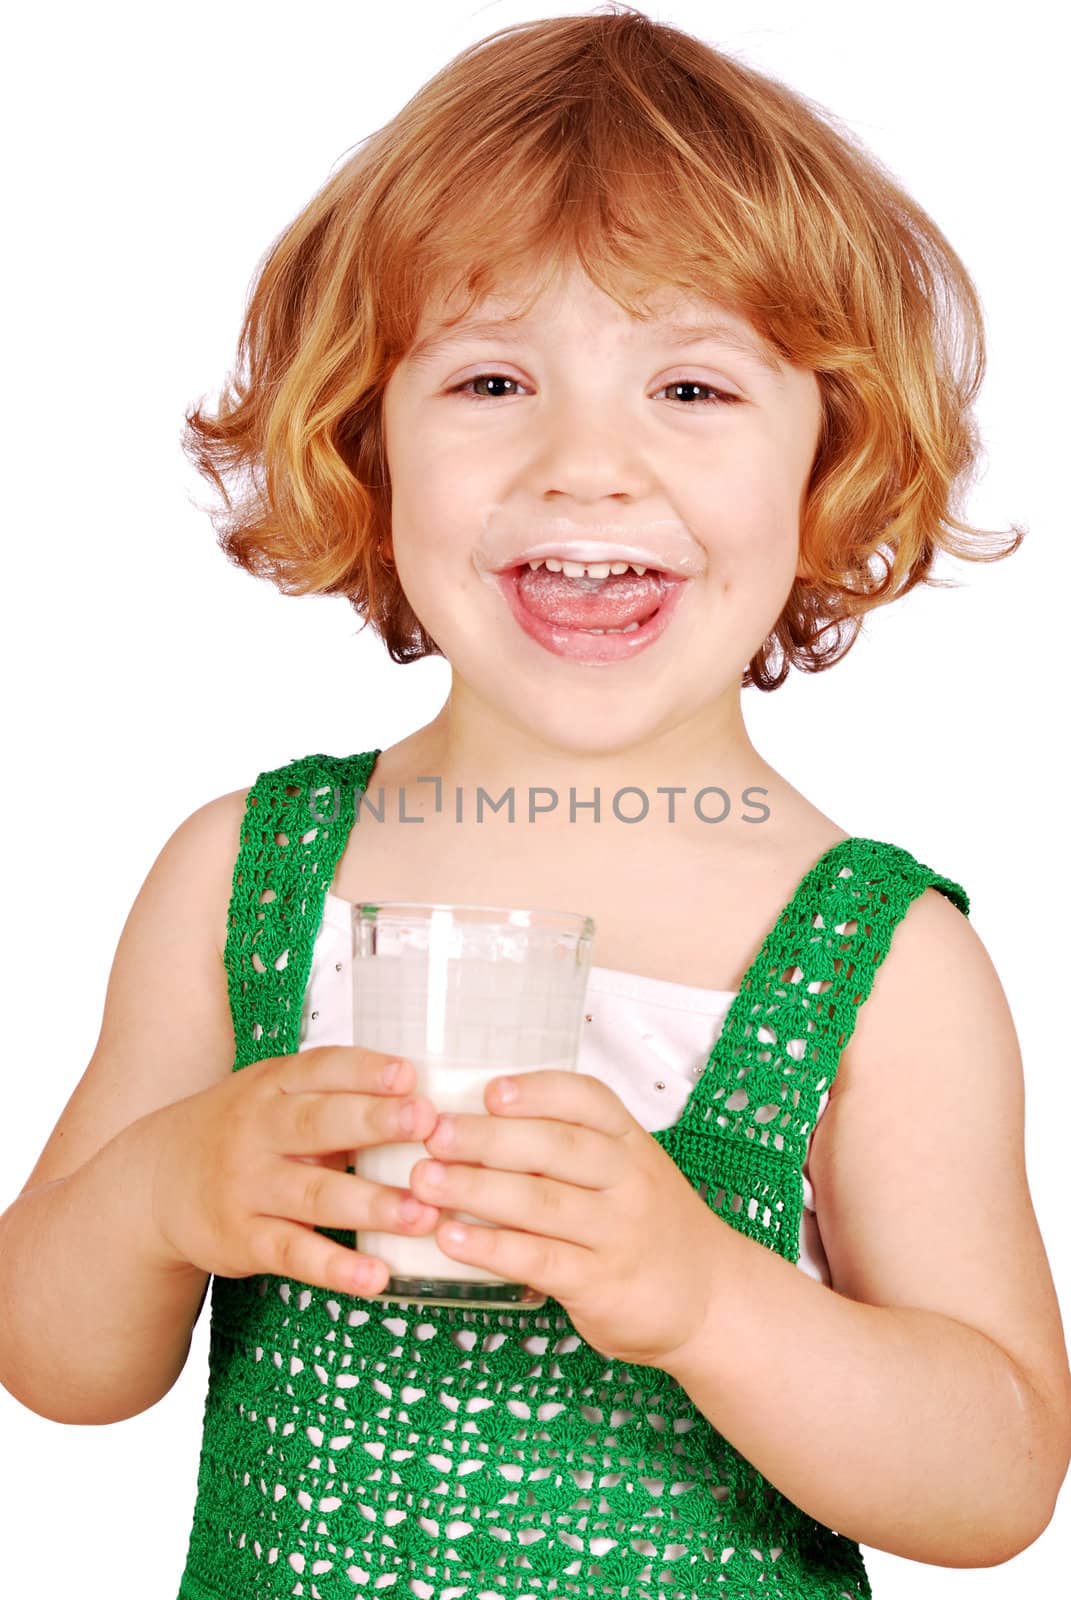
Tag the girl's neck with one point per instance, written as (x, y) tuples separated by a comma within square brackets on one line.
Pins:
[(450, 754)]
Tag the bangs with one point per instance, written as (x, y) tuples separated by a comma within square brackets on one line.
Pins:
[(631, 169)]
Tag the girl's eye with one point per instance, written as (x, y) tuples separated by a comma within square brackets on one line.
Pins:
[(722, 396)]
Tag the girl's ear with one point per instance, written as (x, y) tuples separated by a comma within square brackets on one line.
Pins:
[(385, 553)]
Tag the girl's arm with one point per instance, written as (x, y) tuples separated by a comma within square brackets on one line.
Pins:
[(94, 1325), (91, 1330), (922, 1405)]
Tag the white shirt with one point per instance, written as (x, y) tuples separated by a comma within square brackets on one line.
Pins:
[(647, 1038)]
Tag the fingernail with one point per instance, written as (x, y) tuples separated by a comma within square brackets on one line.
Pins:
[(507, 1090), (444, 1133), (390, 1073), (407, 1117)]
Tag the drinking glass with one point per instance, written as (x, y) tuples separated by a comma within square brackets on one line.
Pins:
[(467, 993)]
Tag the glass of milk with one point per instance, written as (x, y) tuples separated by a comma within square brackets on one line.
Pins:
[(467, 993)]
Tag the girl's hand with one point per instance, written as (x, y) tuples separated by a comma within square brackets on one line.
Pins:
[(246, 1170), (591, 1210)]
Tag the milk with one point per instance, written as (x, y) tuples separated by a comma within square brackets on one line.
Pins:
[(453, 1084), (468, 994)]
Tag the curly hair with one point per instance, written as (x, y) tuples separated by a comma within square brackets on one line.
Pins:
[(653, 159)]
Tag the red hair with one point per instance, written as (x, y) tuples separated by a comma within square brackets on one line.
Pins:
[(654, 160)]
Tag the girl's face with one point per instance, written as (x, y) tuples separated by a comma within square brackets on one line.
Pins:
[(585, 431)]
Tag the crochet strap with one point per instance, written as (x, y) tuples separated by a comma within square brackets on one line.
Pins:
[(750, 1114), (297, 821)]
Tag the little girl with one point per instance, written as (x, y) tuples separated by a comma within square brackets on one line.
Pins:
[(614, 373)]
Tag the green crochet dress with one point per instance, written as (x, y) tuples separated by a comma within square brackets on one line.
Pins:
[(352, 1447)]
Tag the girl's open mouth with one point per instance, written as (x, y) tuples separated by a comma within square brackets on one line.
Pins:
[(567, 637)]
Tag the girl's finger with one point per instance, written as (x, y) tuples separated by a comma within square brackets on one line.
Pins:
[(549, 1265), (323, 1198), (567, 1152), (307, 1124), (287, 1250), (338, 1068), (560, 1211)]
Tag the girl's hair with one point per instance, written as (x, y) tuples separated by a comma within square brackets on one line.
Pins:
[(655, 161)]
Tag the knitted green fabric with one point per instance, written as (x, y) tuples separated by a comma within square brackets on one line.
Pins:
[(353, 1446)]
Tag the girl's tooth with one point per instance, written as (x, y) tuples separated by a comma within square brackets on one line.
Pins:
[(578, 569)]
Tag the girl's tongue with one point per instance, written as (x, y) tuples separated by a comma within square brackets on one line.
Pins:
[(611, 602)]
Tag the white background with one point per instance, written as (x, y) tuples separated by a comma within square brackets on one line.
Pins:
[(151, 154)]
